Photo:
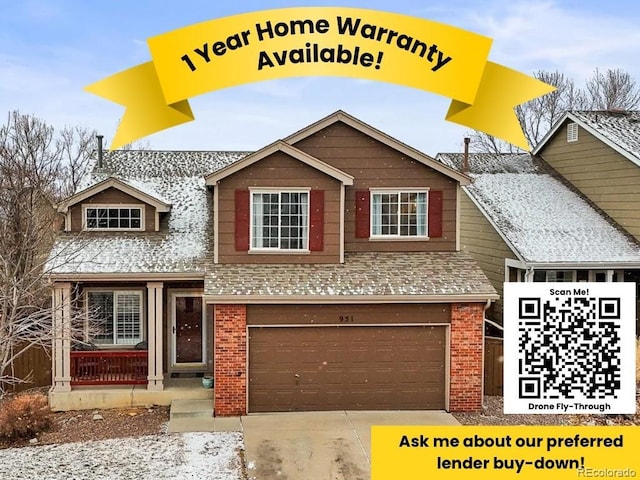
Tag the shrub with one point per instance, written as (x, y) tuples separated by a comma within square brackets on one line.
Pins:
[(24, 416)]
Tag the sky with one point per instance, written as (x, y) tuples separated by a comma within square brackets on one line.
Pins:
[(51, 49)]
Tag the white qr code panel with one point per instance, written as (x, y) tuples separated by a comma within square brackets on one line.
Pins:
[(569, 348)]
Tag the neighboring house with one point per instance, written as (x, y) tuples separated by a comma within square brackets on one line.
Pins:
[(321, 272), (598, 152), (522, 223)]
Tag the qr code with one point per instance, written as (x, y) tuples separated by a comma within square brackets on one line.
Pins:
[(569, 347)]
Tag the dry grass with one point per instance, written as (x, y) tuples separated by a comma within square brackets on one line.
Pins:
[(24, 416)]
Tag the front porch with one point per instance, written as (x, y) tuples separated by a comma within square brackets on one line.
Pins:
[(119, 396), (158, 329)]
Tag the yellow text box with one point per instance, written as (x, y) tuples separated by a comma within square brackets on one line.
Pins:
[(497, 452)]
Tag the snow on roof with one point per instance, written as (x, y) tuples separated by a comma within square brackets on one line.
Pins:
[(363, 274), (546, 222), (490, 162), (620, 127), (176, 178)]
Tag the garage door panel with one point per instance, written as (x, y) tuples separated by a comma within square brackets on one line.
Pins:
[(329, 368)]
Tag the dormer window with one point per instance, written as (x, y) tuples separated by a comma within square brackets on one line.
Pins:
[(113, 217)]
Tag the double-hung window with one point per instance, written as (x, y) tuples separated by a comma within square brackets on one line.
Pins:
[(113, 218), (279, 220), (399, 213), (117, 316)]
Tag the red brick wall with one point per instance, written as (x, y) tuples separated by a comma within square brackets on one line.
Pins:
[(465, 394), (230, 360)]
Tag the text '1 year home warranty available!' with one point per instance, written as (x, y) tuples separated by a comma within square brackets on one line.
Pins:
[(314, 52), (319, 41)]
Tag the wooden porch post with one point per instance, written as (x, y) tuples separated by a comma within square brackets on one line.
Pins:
[(154, 335), (61, 303)]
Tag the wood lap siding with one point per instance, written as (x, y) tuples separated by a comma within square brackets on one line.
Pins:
[(604, 176), (480, 239), (359, 314), (375, 165), (281, 171), (111, 196)]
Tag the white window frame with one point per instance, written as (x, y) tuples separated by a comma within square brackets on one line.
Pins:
[(115, 292), (279, 191), (549, 272), (398, 191), (88, 206), (572, 132)]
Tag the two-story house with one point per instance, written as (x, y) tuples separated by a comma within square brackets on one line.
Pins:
[(321, 272)]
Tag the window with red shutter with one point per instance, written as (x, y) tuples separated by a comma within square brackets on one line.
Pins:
[(242, 220), (316, 221), (435, 214), (362, 214)]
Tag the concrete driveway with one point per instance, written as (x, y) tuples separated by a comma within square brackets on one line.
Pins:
[(322, 445)]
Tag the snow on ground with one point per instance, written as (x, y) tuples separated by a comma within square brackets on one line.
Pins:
[(203, 456)]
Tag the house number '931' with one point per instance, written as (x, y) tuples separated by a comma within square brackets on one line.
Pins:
[(345, 318)]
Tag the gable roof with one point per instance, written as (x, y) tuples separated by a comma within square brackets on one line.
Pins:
[(619, 130), (541, 219), (136, 189), (341, 116), (178, 249), (279, 146)]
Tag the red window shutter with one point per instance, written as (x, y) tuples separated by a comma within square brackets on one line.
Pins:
[(435, 213), (316, 220), (362, 214), (242, 220)]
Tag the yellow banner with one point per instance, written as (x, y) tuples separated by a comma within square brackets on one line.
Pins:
[(314, 41), (501, 453)]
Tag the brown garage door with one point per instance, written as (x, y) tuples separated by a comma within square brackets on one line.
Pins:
[(357, 368)]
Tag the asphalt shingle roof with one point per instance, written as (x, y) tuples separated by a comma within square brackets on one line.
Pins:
[(542, 218), (184, 242), (181, 244), (621, 128), (363, 274)]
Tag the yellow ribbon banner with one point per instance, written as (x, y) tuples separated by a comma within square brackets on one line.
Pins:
[(314, 41), (504, 452)]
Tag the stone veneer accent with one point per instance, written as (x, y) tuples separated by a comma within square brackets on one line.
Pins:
[(230, 360), (465, 394)]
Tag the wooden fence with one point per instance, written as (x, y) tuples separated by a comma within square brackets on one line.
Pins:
[(34, 364), (493, 361)]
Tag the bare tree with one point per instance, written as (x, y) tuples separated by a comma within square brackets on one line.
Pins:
[(537, 116), (604, 91), (613, 89), (76, 146), (33, 173)]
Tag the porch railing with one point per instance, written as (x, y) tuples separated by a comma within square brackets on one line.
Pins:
[(109, 367)]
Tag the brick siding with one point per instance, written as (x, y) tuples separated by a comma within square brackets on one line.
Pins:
[(230, 360), (465, 394)]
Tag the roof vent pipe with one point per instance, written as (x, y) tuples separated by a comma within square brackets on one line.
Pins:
[(465, 161), (99, 137)]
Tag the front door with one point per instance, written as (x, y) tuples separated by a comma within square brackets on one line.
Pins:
[(187, 330)]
